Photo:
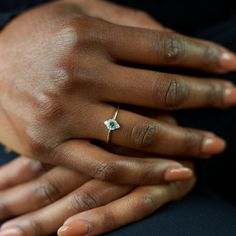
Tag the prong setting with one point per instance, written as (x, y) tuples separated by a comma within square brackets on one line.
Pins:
[(112, 124)]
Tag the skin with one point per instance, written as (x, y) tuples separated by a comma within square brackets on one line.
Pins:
[(40, 198), (52, 110), (213, 93), (41, 204)]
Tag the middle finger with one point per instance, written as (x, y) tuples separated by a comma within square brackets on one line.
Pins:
[(165, 91)]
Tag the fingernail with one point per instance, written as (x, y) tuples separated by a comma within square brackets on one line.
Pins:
[(63, 230), (11, 232), (230, 95), (79, 228), (213, 145), (178, 173), (228, 61)]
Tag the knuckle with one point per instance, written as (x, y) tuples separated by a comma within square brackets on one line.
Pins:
[(50, 108), (47, 192), (211, 56), (106, 171), (214, 94), (82, 25), (192, 143), (176, 93), (33, 226), (89, 30), (148, 200), (38, 167), (173, 47), (146, 203), (34, 165), (83, 201), (144, 135)]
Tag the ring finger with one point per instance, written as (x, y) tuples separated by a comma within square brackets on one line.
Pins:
[(142, 133), (165, 91)]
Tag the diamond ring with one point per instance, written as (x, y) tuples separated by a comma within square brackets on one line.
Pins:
[(112, 124)]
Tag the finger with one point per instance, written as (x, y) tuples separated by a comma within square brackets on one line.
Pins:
[(168, 49), (146, 134), (100, 164), (166, 91), (39, 192), (137, 153), (119, 14), (135, 206), (19, 171), (47, 220)]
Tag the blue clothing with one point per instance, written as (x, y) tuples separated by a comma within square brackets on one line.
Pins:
[(11, 8)]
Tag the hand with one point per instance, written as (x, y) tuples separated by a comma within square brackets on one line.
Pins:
[(40, 198), (136, 205), (33, 193), (55, 99)]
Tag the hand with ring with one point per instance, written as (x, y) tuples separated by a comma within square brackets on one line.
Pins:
[(69, 79)]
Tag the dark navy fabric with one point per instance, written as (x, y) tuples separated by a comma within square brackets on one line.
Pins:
[(11, 8), (185, 15), (182, 15), (210, 210)]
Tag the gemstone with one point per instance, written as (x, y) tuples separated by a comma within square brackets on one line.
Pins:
[(112, 124)]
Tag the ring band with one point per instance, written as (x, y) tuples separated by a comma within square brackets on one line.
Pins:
[(112, 124)]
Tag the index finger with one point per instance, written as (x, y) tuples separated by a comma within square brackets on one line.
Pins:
[(168, 49), (132, 207)]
